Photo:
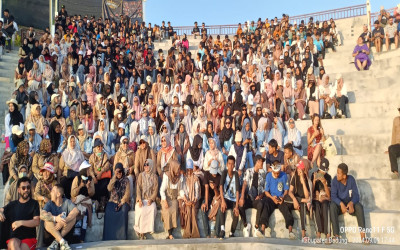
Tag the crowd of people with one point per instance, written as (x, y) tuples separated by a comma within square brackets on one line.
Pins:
[(101, 121)]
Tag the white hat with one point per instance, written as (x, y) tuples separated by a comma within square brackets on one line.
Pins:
[(12, 101), (262, 150), (31, 126), (72, 84), (47, 83), (238, 136), (142, 86), (215, 87), (117, 111), (53, 96), (281, 57), (123, 99), (289, 70), (121, 125), (81, 126), (205, 78), (277, 72), (148, 78), (130, 111), (186, 107), (250, 99), (160, 108), (17, 130), (276, 168), (123, 138), (84, 165), (143, 138)]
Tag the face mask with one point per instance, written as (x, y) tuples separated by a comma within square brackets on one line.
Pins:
[(20, 175), (99, 154)]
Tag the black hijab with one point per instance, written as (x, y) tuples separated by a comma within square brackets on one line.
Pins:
[(195, 151), (208, 135), (28, 62), (32, 99), (238, 103), (16, 117), (226, 133), (54, 137)]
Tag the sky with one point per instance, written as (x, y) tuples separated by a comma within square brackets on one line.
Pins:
[(185, 12)]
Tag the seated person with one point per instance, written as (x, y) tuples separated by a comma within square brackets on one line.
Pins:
[(346, 199), (59, 216), (21, 217), (273, 154), (12, 193)]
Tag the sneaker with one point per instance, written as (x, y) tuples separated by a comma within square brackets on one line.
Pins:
[(394, 176), (65, 246), (292, 236), (246, 230), (258, 233), (53, 246), (231, 235), (222, 235)]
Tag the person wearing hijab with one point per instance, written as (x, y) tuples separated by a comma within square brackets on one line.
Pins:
[(70, 162), (210, 133), (226, 138), (213, 153), (105, 136), (293, 137), (153, 138), (20, 157), (134, 132), (17, 136), (45, 184), (169, 192), (117, 208), (33, 138), (56, 137), (100, 171), (126, 157), (249, 142), (146, 194), (11, 193), (165, 155), (143, 153), (195, 152), (13, 118), (189, 197), (277, 132), (227, 115), (60, 118), (182, 143), (42, 157), (262, 133), (166, 95)]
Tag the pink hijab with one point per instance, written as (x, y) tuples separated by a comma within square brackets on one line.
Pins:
[(137, 108)]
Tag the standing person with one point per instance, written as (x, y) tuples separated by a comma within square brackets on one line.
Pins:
[(59, 216), (116, 214), (346, 199), (229, 188), (169, 192), (394, 148), (8, 28), (253, 195), (146, 194), (21, 217)]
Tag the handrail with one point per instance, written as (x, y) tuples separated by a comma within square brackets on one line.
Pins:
[(340, 13), (374, 16)]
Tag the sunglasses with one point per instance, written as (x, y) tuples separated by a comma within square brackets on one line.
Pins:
[(103, 113), (228, 123), (125, 142), (118, 171), (146, 164), (244, 109), (163, 140), (26, 187), (258, 110)]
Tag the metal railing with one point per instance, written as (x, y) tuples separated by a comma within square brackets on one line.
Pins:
[(340, 13), (375, 16)]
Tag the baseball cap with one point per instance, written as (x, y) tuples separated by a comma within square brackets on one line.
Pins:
[(31, 126), (301, 165), (214, 167), (189, 164), (48, 166)]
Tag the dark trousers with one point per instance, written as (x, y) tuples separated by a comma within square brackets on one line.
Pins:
[(66, 183), (231, 205), (322, 216), (283, 208), (262, 212), (343, 100), (335, 211), (394, 152), (101, 190), (303, 213)]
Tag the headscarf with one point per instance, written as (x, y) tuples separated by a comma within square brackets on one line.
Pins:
[(208, 135), (226, 133), (189, 102), (238, 103), (124, 155), (246, 134), (54, 137), (133, 136), (73, 157), (36, 118), (195, 151), (182, 135), (137, 108), (174, 171), (292, 132), (21, 158), (15, 116), (120, 185), (148, 180), (44, 144), (82, 138)]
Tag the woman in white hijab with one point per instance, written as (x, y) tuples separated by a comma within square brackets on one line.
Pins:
[(153, 138), (177, 92), (166, 95), (293, 136), (134, 135), (70, 161), (105, 136)]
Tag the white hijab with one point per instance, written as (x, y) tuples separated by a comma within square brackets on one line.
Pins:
[(73, 157)]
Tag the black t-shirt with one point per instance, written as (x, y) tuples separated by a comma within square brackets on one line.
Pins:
[(15, 211), (130, 64), (298, 187), (318, 184), (208, 178), (269, 159), (196, 30)]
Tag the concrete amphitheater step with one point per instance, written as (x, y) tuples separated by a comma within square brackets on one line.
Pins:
[(374, 109), (374, 219)]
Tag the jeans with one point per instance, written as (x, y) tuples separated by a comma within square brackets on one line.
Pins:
[(231, 205), (152, 73), (321, 107), (249, 160), (66, 112), (394, 153), (335, 211)]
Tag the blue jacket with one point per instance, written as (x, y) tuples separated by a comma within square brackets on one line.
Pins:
[(345, 193)]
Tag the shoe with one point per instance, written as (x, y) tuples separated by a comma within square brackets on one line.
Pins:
[(53, 246), (394, 176), (258, 233), (222, 235), (246, 230), (231, 235), (65, 246), (292, 236)]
